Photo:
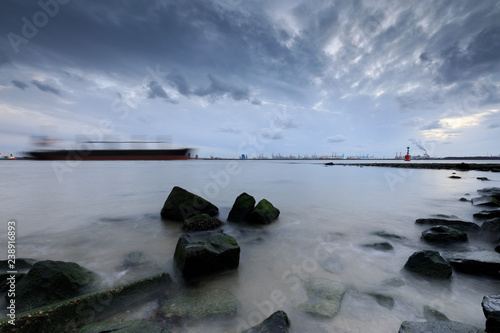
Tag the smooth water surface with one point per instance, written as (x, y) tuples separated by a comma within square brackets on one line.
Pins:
[(95, 213)]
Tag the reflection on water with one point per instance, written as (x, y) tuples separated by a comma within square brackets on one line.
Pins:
[(102, 211)]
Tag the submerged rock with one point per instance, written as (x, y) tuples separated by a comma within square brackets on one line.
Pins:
[(325, 297), (129, 326), (429, 264), (278, 322), (384, 246), (52, 281), (455, 177), (386, 301), (181, 205), (201, 222), (263, 213), (242, 207), (135, 259), (444, 236), (475, 262), (457, 224), (482, 178), (491, 310), (195, 305), (388, 235), (431, 314), (491, 226), (441, 326), (206, 252), (332, 265)]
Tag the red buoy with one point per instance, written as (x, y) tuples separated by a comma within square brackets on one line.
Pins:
[(407, 156)]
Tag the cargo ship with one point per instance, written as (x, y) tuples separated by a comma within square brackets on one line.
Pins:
[(89, 153)]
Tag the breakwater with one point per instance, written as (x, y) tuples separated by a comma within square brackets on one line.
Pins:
[(493, 167)]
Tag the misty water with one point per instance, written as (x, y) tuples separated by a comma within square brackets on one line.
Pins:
[(95, 213)]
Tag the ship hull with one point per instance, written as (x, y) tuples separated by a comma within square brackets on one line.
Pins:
[(112, 155)]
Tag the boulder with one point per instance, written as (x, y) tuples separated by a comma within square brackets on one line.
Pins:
[(487, 214), (263, 213), (455, 177), (21, 265), (68, 315), (278, 322), (182, 204), (491, 226), (206, 252), (52, 281), (491, 310), (135, 259), (383, 246), (324, 297), (482, 178), (486, 200), (201, 222), (463, 200), (431, 314), (6, 283), (428, 264), (129, 326), (457, 224), (195, 305), (444, 236), (242, 207), (441, 326), (475, 262)]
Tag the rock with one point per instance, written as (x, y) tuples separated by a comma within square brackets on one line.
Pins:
[(195, 305), (475, 262), (68, 315), (181, 205), (487, 214), (482, 178), (242, 207), (463, 166), (5, 284), (441, 326), (263, 213), (384, 246), (491, 226), (431, 314), (460, 225), (135, 259), (201, 222), (52, 281), (278, 322), (325, 297), (206, 252), (388, 235), (489, 191), (463, 200), (455, 177), (491, 310), (486, 200), (444, 236), (332, 265), (394, 282), (383, 300), (129, 326), (429, 264)]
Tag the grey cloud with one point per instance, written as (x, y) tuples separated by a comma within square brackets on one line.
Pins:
[(218, 89), (336, 138), (494, 125), (154, 89), (435, 124), (178, 82), (19, 84), (46, 87)]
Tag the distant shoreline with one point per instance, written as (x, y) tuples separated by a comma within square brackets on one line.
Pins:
[(493, 167)]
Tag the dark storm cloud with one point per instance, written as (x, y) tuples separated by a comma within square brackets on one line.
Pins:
[(46, 87), (19, 84), (154, 89)]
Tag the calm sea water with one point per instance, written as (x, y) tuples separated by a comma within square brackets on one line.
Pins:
[(95, 213)]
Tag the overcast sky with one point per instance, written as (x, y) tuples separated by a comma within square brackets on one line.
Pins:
[(256, 77)]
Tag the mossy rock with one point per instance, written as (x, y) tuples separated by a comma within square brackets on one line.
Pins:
[(182, 204), (325, 297), (52, 281), (278, 322), (263, 213), (242, 207), (195, 305), (441, 326), (444, 236), (21, 265), (129, 326), (429, 264), (206, 252), (201, 222)]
